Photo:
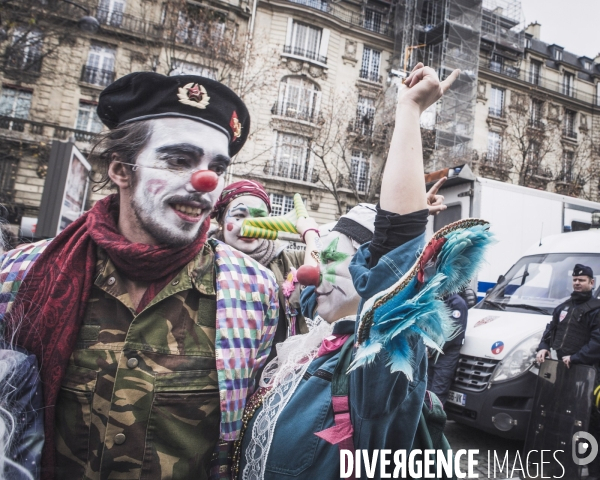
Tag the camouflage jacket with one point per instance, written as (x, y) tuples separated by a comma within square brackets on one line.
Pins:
[(148, 395)]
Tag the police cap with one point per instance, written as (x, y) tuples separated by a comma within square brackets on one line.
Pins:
[(580, 270)]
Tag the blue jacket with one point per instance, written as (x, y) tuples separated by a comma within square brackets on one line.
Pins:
[(385, 407)]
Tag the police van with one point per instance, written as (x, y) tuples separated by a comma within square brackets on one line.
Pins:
[(495, 381)]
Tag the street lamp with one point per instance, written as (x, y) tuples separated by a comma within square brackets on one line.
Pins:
[(86, 23)]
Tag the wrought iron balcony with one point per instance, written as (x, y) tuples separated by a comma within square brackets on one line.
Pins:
[(293, 171), (30, 127), (569, 133), (297, 112), (97, 76), (496, 112), (21, 59), (370, 75), (304, 53)]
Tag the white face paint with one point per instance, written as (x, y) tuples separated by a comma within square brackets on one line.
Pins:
[(336, 295), (165, 204), (240, 208)]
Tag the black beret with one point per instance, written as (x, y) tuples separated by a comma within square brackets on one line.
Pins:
[(147, 95), (580, 270)]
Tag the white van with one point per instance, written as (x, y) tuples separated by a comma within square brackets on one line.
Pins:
[(495, 381)]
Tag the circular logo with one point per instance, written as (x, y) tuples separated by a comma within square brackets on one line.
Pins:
[(497, 348), (456, 313)]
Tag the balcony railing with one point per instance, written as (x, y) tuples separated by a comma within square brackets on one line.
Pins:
[(20, 59), (349, 16), (536, 123), (293, 171), (304, 53), (569, 133), (504, 69), (370, 75), (552, 86), (297, 112), (97, 76), (361, 127), (496, 112), (44, 129)]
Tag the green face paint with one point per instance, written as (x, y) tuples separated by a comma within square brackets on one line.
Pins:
[(331, 257), (258, 212)]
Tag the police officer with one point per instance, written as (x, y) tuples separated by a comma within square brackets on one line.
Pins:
[(440, 372), (574, 333)]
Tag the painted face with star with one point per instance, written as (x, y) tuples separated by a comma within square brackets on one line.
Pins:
[(164, 203), (336, 295), (240, 208)]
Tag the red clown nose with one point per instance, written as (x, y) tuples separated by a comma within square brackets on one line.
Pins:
[(205, 180), (309, 275)]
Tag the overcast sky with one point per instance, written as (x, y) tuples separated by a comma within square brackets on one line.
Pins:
[(572, 24)]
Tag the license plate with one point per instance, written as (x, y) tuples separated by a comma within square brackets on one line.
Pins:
[(457, 398)]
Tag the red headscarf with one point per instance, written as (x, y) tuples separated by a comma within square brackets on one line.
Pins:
[(53, 297), (237, 189)]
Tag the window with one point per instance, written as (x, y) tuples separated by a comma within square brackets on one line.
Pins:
[(291, 157), (598, 94), (87, 118), (361, 167), (370, 64), (533, 156), (306, 41), (568, 84), (496, 63), (373, 20), (365, 116), (298, 98), (14, 103), (587, 64), (281, 204), (535, 71), (110, 12), (569, 125), (537, 107), (452, 214), (527, 42), (100, 66), (558, 55), (25, 52), (494, 150), (566, 169), (497, 102), (185, 68), (196, 29)]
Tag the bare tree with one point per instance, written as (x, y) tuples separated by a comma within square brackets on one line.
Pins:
[(529, 140), (350, 147)]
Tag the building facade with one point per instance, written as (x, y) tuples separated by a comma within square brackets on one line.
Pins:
[(538, 115), (317, 77)]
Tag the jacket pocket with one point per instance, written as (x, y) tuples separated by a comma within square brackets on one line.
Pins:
[(304, 415), (183, 427), (73, 421)]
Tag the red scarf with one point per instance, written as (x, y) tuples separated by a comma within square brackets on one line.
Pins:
[(53, 297)]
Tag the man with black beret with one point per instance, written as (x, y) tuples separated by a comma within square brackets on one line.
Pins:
[(574, 333), (149, 336)]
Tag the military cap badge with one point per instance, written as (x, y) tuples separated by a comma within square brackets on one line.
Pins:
[(193, 94)]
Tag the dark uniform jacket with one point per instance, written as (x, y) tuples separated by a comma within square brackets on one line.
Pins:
[(575, 330)]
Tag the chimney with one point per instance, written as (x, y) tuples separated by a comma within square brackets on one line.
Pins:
[(534, 29)]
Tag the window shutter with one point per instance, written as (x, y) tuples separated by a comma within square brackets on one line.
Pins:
[(324, 43), (288, 35)]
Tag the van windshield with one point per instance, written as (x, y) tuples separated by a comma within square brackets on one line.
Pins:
[(538, 283)]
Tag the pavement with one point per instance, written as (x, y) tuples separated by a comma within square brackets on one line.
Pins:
[(464, 437)]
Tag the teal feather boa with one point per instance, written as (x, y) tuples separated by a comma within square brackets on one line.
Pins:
[(416, 312)]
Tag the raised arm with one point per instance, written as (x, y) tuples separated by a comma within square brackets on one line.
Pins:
[(403, 185)]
